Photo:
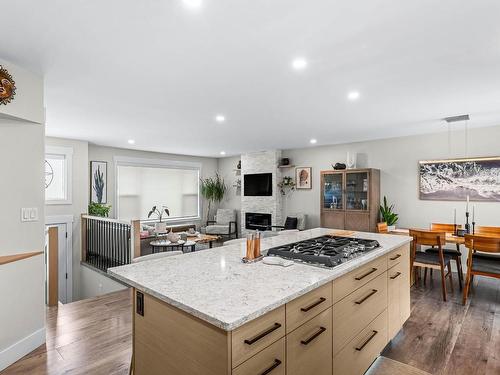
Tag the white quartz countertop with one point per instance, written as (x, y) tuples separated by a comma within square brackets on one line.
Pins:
[(215, 286)]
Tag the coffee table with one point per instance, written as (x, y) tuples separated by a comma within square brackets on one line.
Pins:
[(159, 246)]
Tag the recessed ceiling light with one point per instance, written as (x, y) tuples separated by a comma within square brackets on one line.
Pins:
[(313, 141), (220, 118), (223, 152), (131, 142), (194, 4), (299, 63), (353, 95)]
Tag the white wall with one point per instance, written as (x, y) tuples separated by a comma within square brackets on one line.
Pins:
[(232, 198), (22, 312), (94, 283), (100, 153), (397, 159), (80, 199)]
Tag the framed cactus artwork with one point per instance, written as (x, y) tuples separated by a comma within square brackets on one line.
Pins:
[(98, 182)]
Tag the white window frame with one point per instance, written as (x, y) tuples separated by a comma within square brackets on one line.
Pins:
[(68, 156), (158, 163)]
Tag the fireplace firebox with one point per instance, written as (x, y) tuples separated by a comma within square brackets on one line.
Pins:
[(257, 221)]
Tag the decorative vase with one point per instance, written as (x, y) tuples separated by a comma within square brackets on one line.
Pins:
[(160, 227), (173, 237), (239, 165)]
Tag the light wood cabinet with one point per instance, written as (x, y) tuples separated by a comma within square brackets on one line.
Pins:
[(271, 360), (339, 327), (309, 347), (302, 309), (361, 351), (350, 199)]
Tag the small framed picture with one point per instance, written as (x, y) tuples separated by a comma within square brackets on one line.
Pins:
[(99, 182), (303, 178)]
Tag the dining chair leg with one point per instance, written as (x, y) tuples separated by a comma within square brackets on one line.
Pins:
[(443, 282), (451, 277), (431, 274), (460, 272), (425, 275), (466, 286)]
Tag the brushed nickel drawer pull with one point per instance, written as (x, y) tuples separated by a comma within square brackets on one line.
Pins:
[(360, 348), (396, 257), (366, 297), (307, 341), (364, 275), (276, 363), (396, 275), (262, 334), (306, 309)]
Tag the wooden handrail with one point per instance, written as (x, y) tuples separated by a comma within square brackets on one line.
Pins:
[(4, 259)]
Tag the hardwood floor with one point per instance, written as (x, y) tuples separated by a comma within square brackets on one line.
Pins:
[(92, 336), (440, 338), (445, 338)]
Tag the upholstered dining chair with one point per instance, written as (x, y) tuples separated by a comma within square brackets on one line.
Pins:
[(436, 260), (224, 223), (487, 231), (483, 259), (454, 252), (292, 222), (382, 227)]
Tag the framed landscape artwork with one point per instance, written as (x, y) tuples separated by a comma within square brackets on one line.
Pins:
[(454, 180), (98, 181), (303, 178)]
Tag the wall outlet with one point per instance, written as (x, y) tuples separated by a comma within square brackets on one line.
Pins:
[(29, 214)]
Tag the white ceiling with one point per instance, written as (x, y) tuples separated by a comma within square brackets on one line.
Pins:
[(158, 72)]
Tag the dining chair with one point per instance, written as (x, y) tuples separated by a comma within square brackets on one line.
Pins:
[(487, 231), (382, 227), (483, 259), (453, 252), (436, 260)]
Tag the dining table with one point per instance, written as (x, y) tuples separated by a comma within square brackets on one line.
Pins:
[(450, 238)]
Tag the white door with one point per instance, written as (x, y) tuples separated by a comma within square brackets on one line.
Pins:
[(62, 261)]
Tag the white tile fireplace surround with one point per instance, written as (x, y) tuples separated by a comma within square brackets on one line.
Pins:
[(261, 162)]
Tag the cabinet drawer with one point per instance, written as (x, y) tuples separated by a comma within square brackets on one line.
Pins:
[(301, 309), (398, 255), (256, 335), (269, 361), (309, 347), (353, 280), (354, 312), (359, 353)]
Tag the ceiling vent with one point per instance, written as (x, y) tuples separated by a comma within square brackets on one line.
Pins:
[(458, 118)]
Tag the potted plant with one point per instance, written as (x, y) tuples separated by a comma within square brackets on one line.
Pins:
[(99, 209), (213, 190), (160, 226), (388, 215), (286, 185)]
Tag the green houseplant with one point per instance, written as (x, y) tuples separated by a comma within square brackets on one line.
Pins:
[(160, 226), (98, 209), (387, 213), (213, 190)]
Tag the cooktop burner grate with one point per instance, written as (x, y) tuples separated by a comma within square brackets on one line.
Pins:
[(328, 251)]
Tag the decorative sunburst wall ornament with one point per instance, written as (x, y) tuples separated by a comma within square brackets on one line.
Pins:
[(7, 86)]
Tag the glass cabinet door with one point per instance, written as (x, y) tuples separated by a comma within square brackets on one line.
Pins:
[(357, 191), (333, 186)]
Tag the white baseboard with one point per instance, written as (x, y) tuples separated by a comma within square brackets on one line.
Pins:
[(24, 346)]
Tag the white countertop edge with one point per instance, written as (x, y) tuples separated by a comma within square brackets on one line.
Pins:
[(337, 272)]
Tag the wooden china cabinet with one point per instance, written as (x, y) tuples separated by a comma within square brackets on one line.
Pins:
[(350, 199)]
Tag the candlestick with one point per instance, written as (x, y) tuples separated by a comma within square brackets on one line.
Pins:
[(467, 205), (473, 216)]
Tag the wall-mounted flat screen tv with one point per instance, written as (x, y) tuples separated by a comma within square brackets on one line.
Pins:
[(258, 184)]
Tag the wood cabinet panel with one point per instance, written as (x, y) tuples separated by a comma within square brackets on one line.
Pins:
[(333, 219), (309, 347), (271, 359), (170, 341), (358, 309), (309, 305), (360, 352), (348, 283), (359, 221), (394, 275), (256, 335)]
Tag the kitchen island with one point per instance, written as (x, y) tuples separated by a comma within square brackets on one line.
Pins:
[(209, 313)]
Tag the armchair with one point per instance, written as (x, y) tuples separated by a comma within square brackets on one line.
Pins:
[(224, 224), (293, 222)]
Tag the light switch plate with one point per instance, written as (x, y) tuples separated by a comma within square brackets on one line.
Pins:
[(29, 214)]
